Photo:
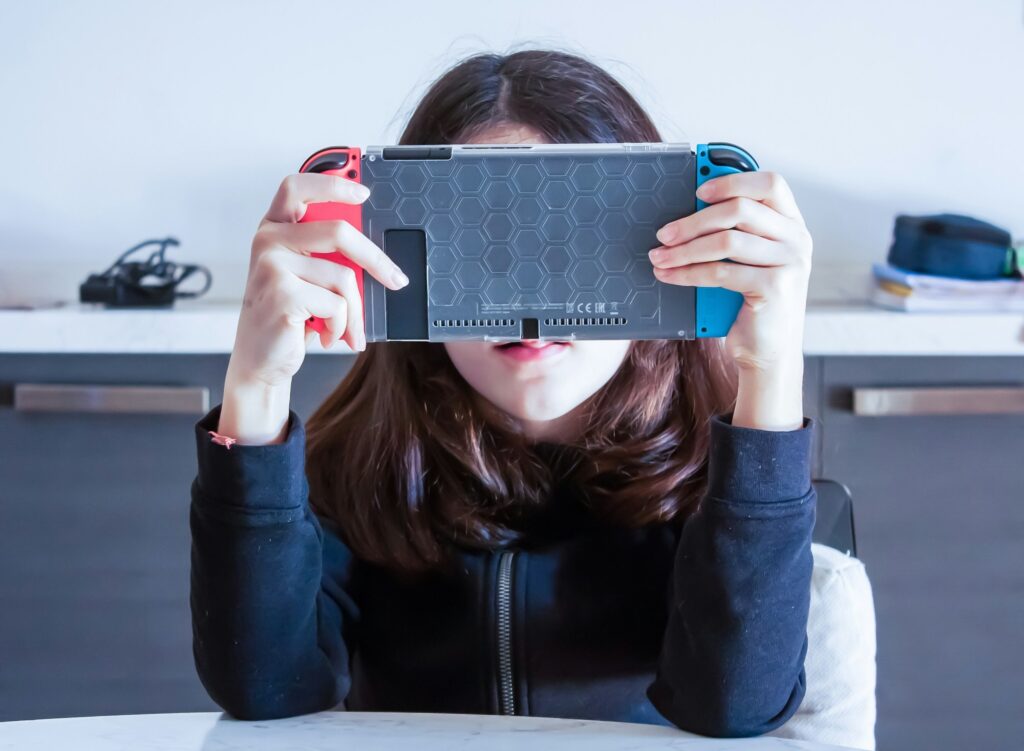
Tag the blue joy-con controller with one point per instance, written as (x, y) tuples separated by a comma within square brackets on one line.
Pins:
[(718, 307)]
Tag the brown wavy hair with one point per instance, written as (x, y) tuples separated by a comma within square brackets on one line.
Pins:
[(407, 460)]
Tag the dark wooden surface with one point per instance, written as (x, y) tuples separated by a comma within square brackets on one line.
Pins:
[(94, 540), (939, 509)]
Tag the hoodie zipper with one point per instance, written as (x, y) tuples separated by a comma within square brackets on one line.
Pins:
[(506, 695)]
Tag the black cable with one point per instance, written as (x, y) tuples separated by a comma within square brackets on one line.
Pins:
[(122, 283)]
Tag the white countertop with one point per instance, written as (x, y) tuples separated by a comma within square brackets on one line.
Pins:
[(365, 731), (197, 326), (839, 321)]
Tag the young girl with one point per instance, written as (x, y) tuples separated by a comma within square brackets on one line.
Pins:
[(612, 530)]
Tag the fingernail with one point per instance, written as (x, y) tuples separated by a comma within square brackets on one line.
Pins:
[(363, 191), (665, 235), (656, 255), (704, 190), (399, 278)]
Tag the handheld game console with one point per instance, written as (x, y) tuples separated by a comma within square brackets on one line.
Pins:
[(528, 241)]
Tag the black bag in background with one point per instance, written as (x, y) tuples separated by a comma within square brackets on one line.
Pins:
[(952, 245)]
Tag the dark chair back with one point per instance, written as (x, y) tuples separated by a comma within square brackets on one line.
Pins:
[(833, 525)]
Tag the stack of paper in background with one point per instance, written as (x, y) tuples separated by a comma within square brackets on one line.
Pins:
[(905, 290)]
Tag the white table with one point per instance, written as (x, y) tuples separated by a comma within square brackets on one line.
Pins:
[(362, 731), (208, 327)]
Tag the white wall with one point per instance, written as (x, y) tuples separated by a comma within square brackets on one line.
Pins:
[(126, 120)]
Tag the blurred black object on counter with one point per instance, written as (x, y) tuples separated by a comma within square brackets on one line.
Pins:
[(152, 283)]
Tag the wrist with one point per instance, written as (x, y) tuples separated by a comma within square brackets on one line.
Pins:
[(785, 369), (771, 398), (254, 413)]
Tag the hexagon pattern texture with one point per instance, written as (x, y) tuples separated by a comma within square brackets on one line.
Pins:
[(532, 235)]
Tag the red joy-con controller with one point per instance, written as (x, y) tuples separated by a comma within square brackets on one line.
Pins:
[(345, 162)]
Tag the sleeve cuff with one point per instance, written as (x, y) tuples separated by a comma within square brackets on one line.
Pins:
[(753, 465), (255, 477)]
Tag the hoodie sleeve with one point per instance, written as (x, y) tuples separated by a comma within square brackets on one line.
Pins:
[(732, 658), (272, 623)]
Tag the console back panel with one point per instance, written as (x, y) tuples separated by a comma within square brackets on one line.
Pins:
[(527, 241)]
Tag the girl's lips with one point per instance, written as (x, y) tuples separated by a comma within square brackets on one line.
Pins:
[(531, 350)]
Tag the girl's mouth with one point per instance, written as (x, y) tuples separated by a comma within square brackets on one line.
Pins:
[(531, 349)]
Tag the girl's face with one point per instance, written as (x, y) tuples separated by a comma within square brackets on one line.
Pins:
[(538, 382)]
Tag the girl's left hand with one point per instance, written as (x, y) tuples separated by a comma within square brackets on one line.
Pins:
[(752, 219)]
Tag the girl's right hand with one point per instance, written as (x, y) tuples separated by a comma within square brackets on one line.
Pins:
[(286, 286)]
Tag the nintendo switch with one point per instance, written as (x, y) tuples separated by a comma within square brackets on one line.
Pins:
[(507, 242)]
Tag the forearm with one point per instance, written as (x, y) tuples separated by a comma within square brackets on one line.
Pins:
[(267, 639), (732, 657), (256, 614)]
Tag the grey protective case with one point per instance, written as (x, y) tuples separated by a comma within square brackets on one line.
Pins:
[(504, 242)]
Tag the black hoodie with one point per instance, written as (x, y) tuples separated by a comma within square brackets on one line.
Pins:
[(699, 624)]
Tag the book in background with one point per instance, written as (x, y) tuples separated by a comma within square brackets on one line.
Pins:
[(898, 289)]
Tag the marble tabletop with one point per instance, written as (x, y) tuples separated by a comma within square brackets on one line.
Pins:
[(365, 731)]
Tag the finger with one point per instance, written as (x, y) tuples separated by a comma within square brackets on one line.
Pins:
[(336, 236), (770, 188), (314, 300), (748, 280), (734, 213), (733, 244), (296, 191), (333, 327), (336, 327), (342, 281)]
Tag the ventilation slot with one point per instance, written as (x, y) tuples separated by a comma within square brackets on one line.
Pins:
[(461, 323), (602, 321)]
